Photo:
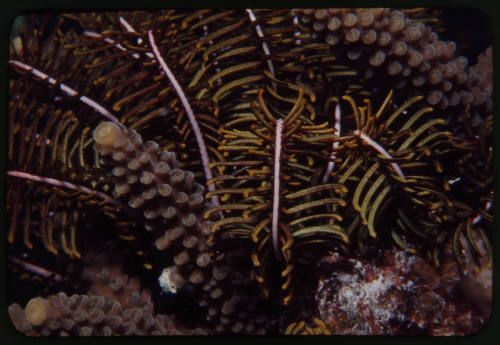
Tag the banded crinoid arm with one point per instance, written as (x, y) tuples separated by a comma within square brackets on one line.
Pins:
[(213, 55), (180, 39), (53, 106), (173, 209), (392, 166), (267, 182)]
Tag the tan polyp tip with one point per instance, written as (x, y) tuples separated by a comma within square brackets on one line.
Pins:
[(36, 311), (106, 133)]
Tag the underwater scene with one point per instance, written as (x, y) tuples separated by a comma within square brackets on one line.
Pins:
[(258, 171)]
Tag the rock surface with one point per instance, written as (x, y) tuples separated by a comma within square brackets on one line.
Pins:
[(395, 292)]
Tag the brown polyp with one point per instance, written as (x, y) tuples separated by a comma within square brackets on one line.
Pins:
[(461, 62), (449, 70), (174, 233), (146, 178), (332, 39), (450, 50), (366, 18), (446, 86), (396, 24), (133, 164), (162, 242), (220, 272), (368, 36), (400, 48), (169, 212), (203, 259), (352, 35), (440, 47), (176, 176), (321, 14), (419, 80), (444, 102), (394, 67), (434, 97), (227, 307), (384, 38), (189, 241), (119, 171), (414, 58), (196, 277), (37, 311), (189, 180), (150, 214), (461, 77), (136, 202), (149, 193), (181, 198), (428, 52), (118, 156), (151, 147), (350, 19), (466, 97), (181, 258), (165, 189), (334, 10), (144, 158), (195, 200), (189, 220), (378, 58), (334, 23), (377, 12), (435, 76), (414, 31), (424, 66)]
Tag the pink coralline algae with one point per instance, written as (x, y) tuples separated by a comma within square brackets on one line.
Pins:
[(397, 293)]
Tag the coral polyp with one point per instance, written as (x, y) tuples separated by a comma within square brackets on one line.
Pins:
[(214, 171)]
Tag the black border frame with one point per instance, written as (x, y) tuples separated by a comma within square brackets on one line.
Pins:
[(8, 12)]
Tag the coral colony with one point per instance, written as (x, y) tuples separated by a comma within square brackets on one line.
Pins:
[(321, 171)]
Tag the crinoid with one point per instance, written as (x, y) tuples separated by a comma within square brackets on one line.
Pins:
[(228, 151)]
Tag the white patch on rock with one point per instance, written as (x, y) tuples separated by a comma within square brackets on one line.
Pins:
[(170, 280)]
